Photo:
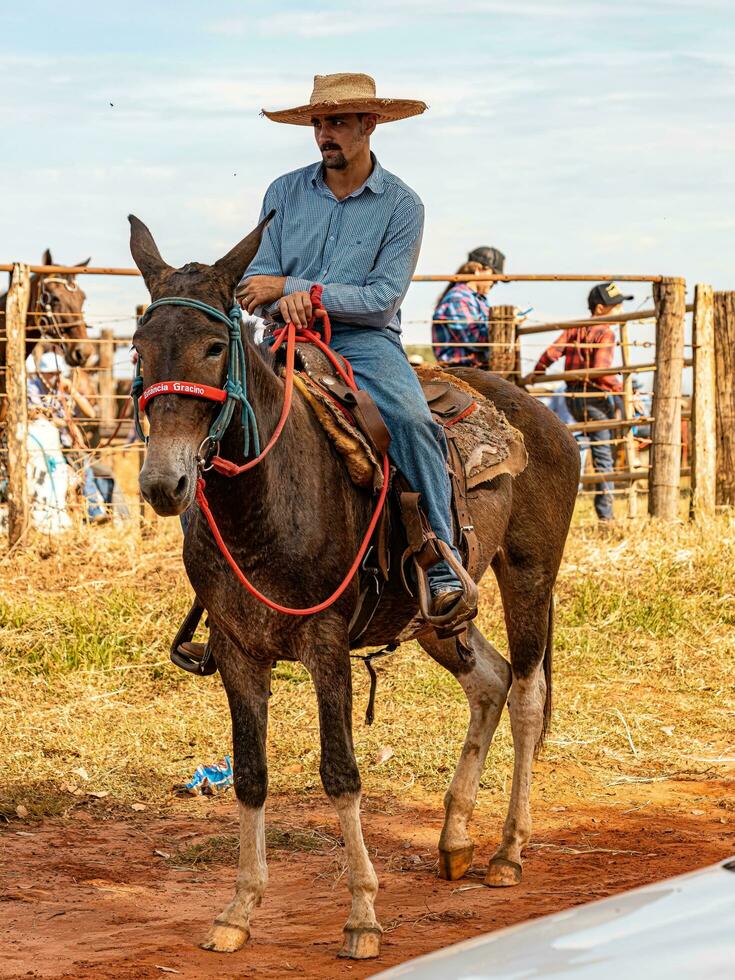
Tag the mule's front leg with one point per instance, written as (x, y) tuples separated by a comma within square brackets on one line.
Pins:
[(247, 684), (362, 930), (332, 677)]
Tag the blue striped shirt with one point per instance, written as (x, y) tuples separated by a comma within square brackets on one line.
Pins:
[(362, 249)]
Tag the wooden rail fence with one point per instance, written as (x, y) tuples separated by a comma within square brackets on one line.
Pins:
[(712, 464)]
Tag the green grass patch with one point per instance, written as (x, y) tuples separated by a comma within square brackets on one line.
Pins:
[(90, 703)]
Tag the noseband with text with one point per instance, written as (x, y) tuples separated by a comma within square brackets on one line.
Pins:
[(234, 391)]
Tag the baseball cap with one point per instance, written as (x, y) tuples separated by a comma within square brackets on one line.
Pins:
[(50, 363), (491, 258), (606, 294)]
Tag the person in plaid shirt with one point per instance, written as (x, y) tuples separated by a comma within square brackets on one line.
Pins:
[(592, 399), (461, 315)]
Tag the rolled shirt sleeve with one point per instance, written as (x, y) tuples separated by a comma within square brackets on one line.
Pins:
[(553, 352)]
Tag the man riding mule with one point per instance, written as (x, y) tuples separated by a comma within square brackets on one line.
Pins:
[(349, 225), (286, 521)]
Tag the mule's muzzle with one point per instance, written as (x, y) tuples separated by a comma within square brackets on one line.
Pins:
[(169, 492)]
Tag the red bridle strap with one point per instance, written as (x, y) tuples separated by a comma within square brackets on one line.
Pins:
[(191, 388)]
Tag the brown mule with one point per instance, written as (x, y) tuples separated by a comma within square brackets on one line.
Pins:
[(293, 525)]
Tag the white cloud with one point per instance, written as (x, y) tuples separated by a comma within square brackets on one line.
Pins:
[(304, 24)]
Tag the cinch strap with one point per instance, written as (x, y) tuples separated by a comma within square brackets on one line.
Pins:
[(191, 388)]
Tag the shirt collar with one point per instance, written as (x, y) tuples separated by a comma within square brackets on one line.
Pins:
[(374, 183)]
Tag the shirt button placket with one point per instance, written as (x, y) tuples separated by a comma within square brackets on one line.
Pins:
[(333, 231)]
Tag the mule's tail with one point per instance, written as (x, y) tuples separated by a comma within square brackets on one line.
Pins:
[(548, 658)]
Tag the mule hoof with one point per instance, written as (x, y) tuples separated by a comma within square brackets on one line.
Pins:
[(453, 865), (361, 944), (225, 939), (503, 873)]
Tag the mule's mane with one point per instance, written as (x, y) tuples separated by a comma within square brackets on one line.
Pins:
[(263, 351)]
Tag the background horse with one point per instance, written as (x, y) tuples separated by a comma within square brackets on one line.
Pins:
[(293, 524), (54, 316)]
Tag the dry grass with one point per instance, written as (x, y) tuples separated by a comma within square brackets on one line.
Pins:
[(223, 848), (449, 915), (645, 677)]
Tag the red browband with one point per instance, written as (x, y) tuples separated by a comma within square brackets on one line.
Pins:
[(191, 388)]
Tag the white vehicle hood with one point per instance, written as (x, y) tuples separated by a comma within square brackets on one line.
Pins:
[(683, 928)]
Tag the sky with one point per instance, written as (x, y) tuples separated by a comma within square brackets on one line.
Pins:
[(576, 136)]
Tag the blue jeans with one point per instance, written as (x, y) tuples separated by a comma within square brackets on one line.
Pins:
[(93, 497), (596, 410), (418, 446)]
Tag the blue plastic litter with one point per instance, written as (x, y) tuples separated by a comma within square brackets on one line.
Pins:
[(210, 780)]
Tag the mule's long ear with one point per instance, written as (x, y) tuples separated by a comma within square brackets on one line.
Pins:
[(47, 260), (233, 265), (145, 251)]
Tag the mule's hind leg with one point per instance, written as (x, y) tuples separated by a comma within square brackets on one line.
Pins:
[(331, 673), (485, 680), (247, 684), (528, 613)]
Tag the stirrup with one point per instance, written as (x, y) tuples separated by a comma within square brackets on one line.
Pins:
[(204, 667), (452, 622)]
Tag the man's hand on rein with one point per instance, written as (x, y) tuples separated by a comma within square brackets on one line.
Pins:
[(296, 308), (260, 291)]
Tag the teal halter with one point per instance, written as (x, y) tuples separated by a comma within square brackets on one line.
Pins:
[(235, 389)]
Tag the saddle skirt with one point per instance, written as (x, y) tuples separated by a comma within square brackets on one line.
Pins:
[(486, 442)]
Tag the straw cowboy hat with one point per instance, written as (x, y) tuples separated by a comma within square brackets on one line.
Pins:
[(346, 92)]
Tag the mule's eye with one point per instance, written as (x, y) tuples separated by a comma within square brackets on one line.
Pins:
[(215, 350)]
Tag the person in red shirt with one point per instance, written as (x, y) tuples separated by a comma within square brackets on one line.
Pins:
[(592, 399)]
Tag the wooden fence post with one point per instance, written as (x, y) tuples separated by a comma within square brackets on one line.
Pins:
[(106, 383), (501, 324), (17, 394), (665, 475), (631, 454), (704, 426), (724, 327)]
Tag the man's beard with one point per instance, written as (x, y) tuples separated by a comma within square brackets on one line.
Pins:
[(337, 162)]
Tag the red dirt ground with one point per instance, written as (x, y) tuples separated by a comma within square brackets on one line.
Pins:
[(87, 897)]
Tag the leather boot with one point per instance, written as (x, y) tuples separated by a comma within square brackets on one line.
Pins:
[(443, 601), (194, 650)]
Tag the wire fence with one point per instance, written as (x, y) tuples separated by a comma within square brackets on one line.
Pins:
[(85, 425)]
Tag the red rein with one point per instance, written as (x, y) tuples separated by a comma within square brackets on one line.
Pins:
[(292, 336)]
